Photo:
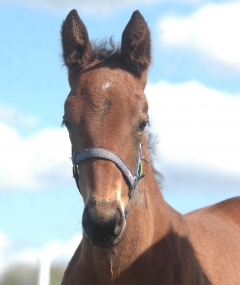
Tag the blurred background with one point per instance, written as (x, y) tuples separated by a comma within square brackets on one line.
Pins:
[(194, 98)]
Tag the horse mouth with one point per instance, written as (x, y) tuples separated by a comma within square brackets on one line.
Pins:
[(103, 233), (107, 242)]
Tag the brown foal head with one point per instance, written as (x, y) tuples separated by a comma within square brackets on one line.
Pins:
[(106, 108)]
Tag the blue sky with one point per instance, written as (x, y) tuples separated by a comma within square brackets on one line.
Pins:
[(194, 97)]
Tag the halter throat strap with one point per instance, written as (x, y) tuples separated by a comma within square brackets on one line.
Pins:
[(97, 152)]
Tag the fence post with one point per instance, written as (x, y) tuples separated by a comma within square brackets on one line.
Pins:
[(44, 269)]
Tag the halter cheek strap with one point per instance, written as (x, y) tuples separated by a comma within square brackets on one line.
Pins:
[(96, 152)]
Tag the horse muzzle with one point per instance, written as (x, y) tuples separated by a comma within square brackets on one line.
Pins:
[(103, 223)]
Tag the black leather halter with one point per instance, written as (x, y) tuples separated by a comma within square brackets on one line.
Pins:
[(97, 152)]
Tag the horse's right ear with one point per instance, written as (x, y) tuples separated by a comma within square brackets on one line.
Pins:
[(77, 49), (136, 44)]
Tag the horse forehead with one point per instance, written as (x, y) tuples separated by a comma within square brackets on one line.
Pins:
[(105, 78), (102, 89), (101, 93)]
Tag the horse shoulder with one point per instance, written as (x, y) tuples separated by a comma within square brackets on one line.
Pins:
[(215, 236), (229, 208), (227, 211)]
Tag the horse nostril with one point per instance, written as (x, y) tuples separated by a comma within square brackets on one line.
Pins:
[(119, 221)]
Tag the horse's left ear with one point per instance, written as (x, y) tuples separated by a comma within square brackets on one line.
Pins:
[(136, 44)]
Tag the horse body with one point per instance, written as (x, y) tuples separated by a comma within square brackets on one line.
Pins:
[(155, 244)]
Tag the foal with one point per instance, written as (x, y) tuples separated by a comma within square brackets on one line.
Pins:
[(106, 113)]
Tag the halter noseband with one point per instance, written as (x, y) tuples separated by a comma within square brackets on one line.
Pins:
[(97, 152)]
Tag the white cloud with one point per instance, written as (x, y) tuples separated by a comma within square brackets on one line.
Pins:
[(199, 132), (12, 116), (52, 252), (212, 30), (91, 7), (3, 240), (36, 162), (58, 251), (102, 7)]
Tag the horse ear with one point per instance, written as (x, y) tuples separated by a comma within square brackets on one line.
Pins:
[(77, 49), (136, 44)]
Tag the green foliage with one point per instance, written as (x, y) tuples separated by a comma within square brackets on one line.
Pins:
[(28, 275), (20, 275), (56, 275)]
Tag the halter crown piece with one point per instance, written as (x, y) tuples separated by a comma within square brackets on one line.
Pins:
[(97, 152)]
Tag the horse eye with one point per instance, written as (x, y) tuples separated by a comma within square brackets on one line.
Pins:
[(142, 126), (68, 126)]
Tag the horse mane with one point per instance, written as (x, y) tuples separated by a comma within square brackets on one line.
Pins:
[(152, 142), (106, 49)]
